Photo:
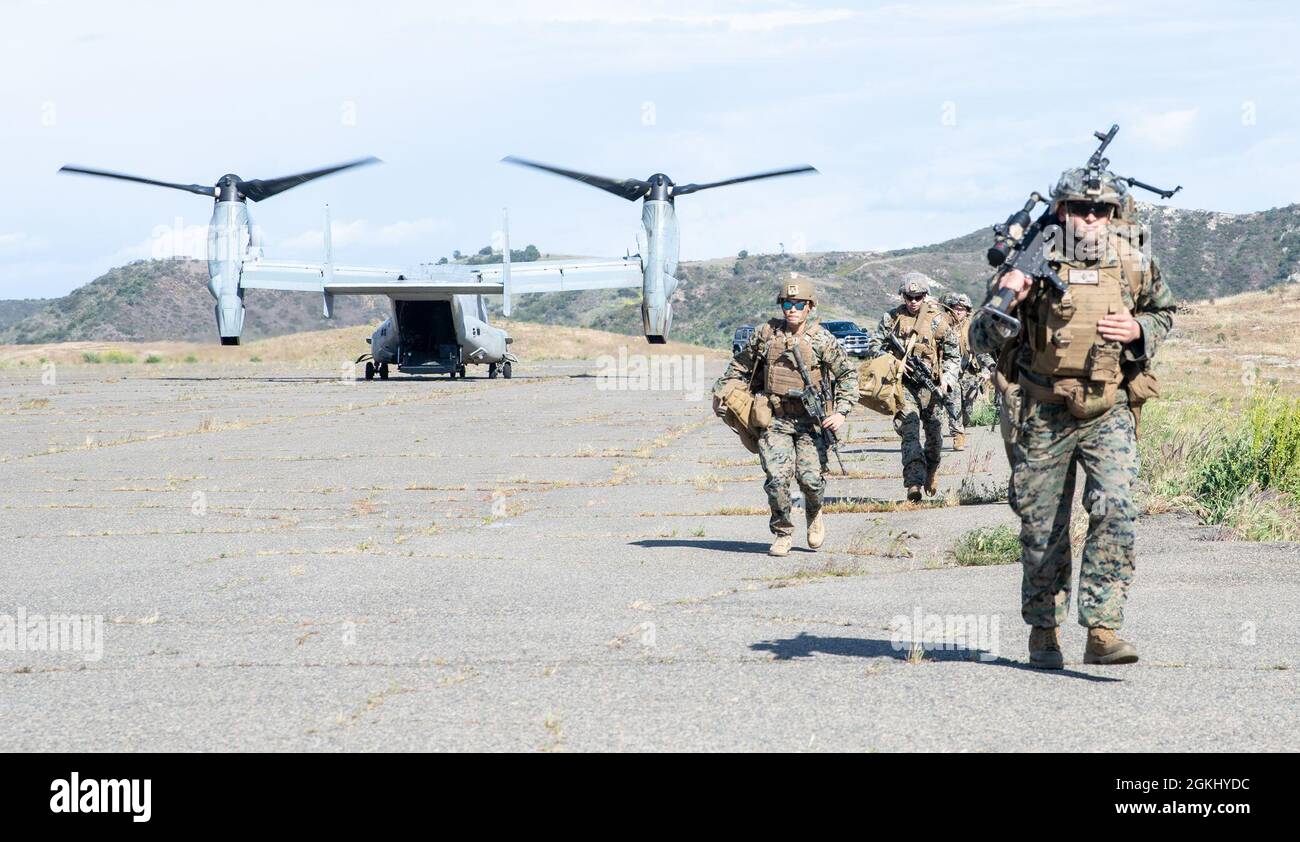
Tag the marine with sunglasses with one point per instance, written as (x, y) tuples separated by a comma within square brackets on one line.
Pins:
[(921, 324), (790, 446), (1077, 373)]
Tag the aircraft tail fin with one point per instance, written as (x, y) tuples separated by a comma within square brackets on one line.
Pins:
[(328, 267), (505, 262)]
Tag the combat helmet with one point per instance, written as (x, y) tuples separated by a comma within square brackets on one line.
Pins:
[(797, 288), (1077, 185), (914, 283)]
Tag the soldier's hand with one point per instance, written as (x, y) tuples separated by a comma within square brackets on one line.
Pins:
[(717, 405), (833, 422), (1019, 283), (1120, 327)]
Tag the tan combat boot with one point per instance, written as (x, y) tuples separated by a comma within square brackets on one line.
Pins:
[(931, 481), (958, 441), (1045, 648), (1106, 647), (781, 545), (914, 494), (816, 531)]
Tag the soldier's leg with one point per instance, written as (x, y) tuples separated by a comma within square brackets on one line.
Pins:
[(907, 423), (952, 411), (1108, 452), (1042, 493), (932, 414), (810, 468), (776, 453), (970, 393)]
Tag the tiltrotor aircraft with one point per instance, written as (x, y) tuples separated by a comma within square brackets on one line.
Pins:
[(657, 241), (439, 321)]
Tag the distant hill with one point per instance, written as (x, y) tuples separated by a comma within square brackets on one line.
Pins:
[(150, 300), (1204, 255), (14, 311)]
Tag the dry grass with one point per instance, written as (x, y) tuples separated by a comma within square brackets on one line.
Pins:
[(1227, 348), (333, 347)]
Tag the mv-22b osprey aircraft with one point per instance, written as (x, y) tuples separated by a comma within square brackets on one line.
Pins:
[(439, 321)]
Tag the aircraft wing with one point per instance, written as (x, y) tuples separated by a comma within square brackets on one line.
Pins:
[(566, 275), (449, 279)]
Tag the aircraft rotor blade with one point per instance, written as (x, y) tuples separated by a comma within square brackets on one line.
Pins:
[(684, 189), (264, 188), (627, 188), (202, 190)]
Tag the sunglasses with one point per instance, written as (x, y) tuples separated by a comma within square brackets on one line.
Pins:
[(914, 297), (793, 305), (1097, 209)]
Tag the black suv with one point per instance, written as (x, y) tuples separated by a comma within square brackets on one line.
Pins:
[(854, 340)]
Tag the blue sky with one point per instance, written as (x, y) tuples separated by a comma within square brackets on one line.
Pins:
[(926, 120)]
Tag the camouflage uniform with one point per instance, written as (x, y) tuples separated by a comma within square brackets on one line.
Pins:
[(792, 448), (972, 366), (1046, 442), (920, 408)]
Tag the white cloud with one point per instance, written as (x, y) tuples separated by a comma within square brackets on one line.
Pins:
[(1168, 129), (20, 242)]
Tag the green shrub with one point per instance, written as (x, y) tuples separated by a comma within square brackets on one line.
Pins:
[(983, 413), (119, 357), (190, 358), (91, 357), (153, 359), (1232, 467), (987, 545)]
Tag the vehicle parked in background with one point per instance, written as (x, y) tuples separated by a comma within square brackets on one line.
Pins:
[(854, 340)]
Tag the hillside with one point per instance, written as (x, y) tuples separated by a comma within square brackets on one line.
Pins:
[(151, 300), (1204, 255), (15, 310)]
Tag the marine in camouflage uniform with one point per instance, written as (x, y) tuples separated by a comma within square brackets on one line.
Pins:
[(1079, 369), (792, 447), (976, 369), (921, 317)]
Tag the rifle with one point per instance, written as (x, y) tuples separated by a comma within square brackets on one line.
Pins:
[(1020, 243), (814, 404), (919, 372)]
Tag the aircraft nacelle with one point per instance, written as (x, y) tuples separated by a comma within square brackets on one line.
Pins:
[(229, 236), (658, 244)]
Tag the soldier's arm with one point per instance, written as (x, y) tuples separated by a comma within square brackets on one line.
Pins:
[(880, 341), (741, 368), (984, 336), (844, 372), (1154, 311)]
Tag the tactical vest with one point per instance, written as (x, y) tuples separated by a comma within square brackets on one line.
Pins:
[(782, 374), (922, 325), (1064, 346), (1064, 340), (963, 335)]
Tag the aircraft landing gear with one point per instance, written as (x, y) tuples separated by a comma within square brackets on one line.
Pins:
[(492, 371), (505, 369), (370, 371), (383, 371)]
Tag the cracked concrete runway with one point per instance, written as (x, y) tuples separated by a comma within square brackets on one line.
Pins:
[(287, 561)]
